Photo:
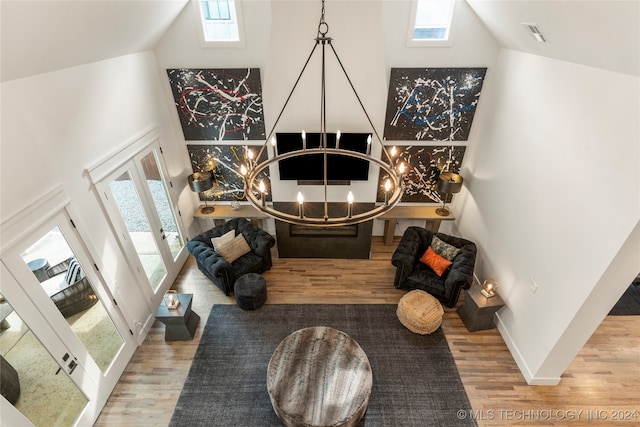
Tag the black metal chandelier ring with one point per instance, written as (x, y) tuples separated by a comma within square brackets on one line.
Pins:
[(260, 202)]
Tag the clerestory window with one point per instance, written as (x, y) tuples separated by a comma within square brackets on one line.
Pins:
[(431, 22), (221, 22)]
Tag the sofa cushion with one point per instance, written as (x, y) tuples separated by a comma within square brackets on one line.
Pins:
[(423, 277), (74, 272), (234, 249), (216, 242), (437, 263), (444, 249)]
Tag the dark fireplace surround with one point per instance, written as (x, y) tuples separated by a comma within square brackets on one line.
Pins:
[(298, 241)]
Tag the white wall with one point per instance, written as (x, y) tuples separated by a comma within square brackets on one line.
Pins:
[(473, 46), (54, 125), (280, 35), (180, 47), (355, 30), (553, 196)]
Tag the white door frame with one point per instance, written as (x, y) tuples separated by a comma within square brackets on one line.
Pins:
[(126, 158), (40, 327), (24, 293)]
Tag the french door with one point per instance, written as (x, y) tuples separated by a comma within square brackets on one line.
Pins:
[(62, 338), (135, 194)]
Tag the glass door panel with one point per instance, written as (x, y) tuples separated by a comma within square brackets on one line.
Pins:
[(63, 279), (135, 220), (162, 203), (31, 379)]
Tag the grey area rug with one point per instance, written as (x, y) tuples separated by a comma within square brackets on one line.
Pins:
[(415, 380), (629, 303)]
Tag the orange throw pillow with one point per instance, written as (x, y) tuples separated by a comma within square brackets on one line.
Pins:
[(435, 261)]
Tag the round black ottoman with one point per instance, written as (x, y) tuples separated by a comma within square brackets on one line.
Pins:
[(251, 291)]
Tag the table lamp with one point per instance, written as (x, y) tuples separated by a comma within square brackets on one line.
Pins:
[(448, 183), (200, 182), (489, 288)]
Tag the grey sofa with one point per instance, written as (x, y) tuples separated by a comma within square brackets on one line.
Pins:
[(217, 269), (413, 274)]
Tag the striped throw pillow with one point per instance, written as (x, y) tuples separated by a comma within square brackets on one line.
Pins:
[(74, 272)]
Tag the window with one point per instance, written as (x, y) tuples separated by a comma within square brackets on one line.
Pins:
[(431, 23), (220, 22), (218, 10)]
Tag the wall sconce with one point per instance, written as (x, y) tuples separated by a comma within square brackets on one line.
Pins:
[(200, 182), (448, 183), (489, 288), (171, 300)]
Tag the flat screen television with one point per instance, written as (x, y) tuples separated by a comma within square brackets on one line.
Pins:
[(309, 167)]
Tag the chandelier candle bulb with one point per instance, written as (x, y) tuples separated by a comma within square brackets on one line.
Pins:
[(393, 151), (262, 189), (401, 168), (300, 205), (387, 187), (338, 140), (273, 144), (250, 157), (243, 170), (304, 140), (369, 145), (350, 204)]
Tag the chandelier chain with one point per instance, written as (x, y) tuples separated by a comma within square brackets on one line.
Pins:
[(323, 27)]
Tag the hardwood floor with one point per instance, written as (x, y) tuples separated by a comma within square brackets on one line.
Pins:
[(602, 381)]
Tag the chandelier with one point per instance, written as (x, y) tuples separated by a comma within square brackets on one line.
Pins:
[(256, 191)]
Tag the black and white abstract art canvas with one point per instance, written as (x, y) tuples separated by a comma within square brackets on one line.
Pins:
[(226, 159), (432, 104), (218, 104), (423, 166)]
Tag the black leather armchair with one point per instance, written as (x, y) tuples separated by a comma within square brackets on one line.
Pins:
[(217, 269), (413, 274)]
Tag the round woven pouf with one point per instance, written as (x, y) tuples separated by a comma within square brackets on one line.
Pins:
[(420, 312), (251, 291)]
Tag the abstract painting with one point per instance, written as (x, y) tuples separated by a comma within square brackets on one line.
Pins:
[(424, 164), (226, 159), (218, 104), (432, 104)]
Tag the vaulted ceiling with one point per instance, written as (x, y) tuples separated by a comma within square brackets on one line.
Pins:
[(43, 36)]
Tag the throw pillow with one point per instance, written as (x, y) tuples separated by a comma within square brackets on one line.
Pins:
[(74, 272), (225, 238), (437, 263), (444, 249), (234, 249)]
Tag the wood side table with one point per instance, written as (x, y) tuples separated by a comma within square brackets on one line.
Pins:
[(427, 213), (180, 323), (224, 212), (477, 310)]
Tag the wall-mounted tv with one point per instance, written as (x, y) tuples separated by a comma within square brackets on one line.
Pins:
[(309, 167)]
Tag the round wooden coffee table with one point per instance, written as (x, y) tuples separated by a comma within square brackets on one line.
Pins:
[(319, 376)]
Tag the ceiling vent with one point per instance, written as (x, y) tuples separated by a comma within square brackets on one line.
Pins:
[(535, 32)]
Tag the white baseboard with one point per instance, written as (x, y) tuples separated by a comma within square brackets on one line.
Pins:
[(529, 377)]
